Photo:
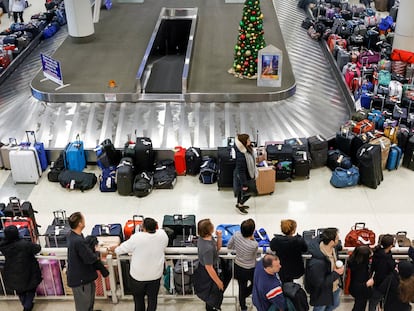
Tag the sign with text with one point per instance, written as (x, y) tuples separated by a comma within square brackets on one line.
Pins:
[(269, 67), (51, 69)]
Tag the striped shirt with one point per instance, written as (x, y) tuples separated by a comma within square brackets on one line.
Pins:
[(246, 250)]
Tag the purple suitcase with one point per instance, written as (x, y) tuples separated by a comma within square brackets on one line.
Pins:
[(51, 284)]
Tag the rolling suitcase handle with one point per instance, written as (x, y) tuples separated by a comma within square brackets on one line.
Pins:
[(134, 217), (59, 217), (33, 134), (358, 225), (15, 205)]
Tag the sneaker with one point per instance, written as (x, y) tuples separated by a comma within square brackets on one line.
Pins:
[(241, 210), (244, 206)]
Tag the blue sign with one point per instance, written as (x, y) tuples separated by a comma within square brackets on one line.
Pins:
[(51, 69)]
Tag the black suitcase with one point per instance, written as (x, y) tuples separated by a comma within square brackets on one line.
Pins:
[(344, 141), (301, 164), (125, 176), (279, 152), (408, 159), (144, 155), (318, 147), (226, 165), (57, 233), (370, 167), (193, 160), (357, 142), (284, 170), (298, 144), (25, 209), (180, 225)]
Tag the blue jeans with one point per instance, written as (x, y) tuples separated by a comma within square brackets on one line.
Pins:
[(336, 301)]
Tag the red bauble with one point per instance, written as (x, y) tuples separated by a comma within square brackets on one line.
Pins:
[(253, 12), (255, 60), (246, 63), (242, 36)]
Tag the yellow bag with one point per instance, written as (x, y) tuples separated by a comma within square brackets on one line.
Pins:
[(391, 133)]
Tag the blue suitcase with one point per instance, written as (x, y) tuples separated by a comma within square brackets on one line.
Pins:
[(227, 231), (40, 148), (108, 230), (75, 157), (394, 158)]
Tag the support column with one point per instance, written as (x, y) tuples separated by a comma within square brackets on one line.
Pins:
[(404, 30), (79, 18)]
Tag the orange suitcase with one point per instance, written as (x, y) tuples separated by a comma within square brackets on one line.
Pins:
[(132, 225), (266, 180)]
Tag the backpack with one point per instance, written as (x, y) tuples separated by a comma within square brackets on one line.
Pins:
[(208, 171), (143, 184), (56, 168), (295, 296), (107, 180)]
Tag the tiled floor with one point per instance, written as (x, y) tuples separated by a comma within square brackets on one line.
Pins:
[(313, 203)]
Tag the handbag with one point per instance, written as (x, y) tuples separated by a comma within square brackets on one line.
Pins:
[(342, 178), (359, 235), (251, 188)]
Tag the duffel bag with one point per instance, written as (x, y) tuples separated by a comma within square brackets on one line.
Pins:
[(342, 178), (402, 55), (359, 235), (77, 180)]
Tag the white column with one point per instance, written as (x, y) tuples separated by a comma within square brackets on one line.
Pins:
[(79, 17), (404, 30)]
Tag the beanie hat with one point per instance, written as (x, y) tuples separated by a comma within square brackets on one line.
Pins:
[(11, 233), (405, 269)]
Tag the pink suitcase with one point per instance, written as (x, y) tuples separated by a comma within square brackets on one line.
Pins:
[(25, 165), (51, 284)]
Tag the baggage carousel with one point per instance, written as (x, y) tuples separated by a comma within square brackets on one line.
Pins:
[(317, 107)]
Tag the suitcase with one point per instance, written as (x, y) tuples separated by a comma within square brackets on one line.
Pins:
[(25, 165), (344, 141), (111, 155), (144, 155), (228, 230), (107, 180), (56, 234), (318, 147), (408, 159), (23, 224), (180, 226), (301, 164), (133, 225), (40, 148), (265, 181), (394, 13), (225, 167), (75, 157), (125, 176), (381, 5), (298, 144), (179, 160), (51, 284), (109, 230), (394, 158), (385, 145), (279, 152), (284, 170), (369, 163), (193, 160), (5, 152), (25, 209)]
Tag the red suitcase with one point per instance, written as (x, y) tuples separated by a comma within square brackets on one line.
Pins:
[(179, 160), (132, 225)]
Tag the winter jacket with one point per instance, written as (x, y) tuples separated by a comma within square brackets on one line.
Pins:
[(359, 278), (21, 269), (289, 249), (17, 5), (241, 172), (319, 277), (390, 289), (81, 260), (382, 264)]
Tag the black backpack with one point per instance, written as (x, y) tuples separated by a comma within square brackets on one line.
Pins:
[(208, 171), (143, 184), (56, 168), (297, 295)]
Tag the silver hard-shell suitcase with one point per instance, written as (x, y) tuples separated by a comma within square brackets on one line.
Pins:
[(25, 165), (4, 152)]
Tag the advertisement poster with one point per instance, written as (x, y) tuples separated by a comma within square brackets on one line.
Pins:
[(269, 68)]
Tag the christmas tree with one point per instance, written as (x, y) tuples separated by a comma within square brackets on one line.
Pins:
[(249, 41)]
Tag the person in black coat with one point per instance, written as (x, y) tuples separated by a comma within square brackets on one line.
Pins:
[(361, 282), (398, 288), (21, 270), (382, 266), (289, 248), (322, 275), (244, 172)]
